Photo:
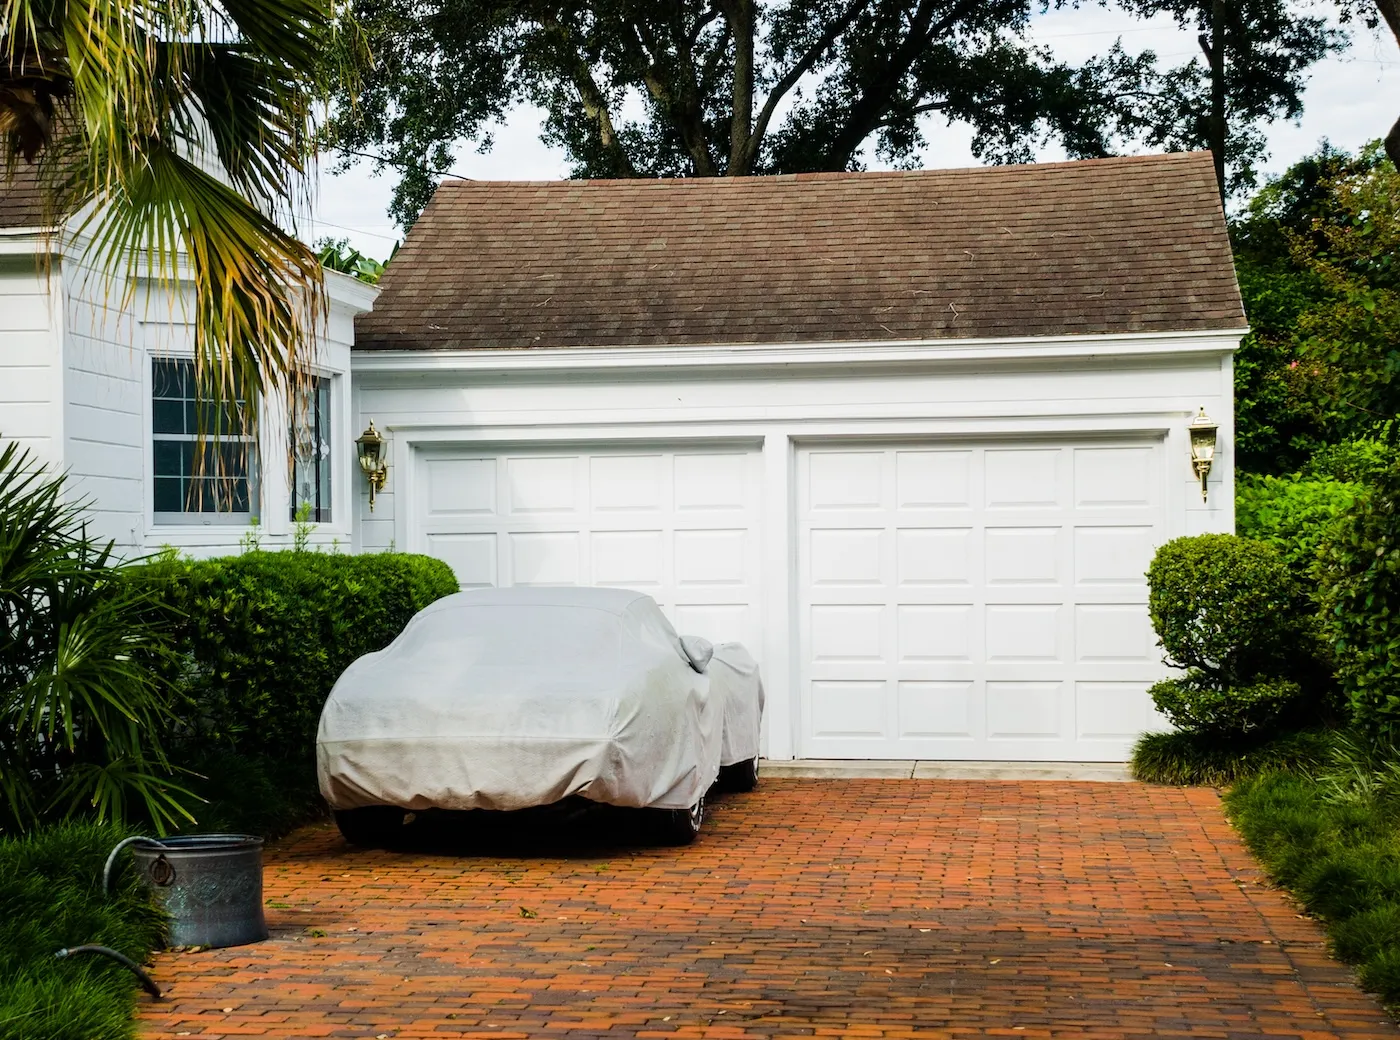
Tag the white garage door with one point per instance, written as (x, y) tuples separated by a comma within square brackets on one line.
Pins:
[(977, 601), (680, 525)]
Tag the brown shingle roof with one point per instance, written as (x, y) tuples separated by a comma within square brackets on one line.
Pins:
[(21, 198), (1107, 246)]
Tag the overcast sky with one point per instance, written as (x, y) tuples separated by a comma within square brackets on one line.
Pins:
[(1350, 99)]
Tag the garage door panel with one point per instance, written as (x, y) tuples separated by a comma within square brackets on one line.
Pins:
[(846, 480), (935, 555), (545, 558), (627, 483), (709, 482), (709, 558), (942, 709), (630, 559), (543, 485), (1034, 709), (1023, 555), (1117, 477), (850, 708), (717, 622), (1024, 478), (937, 632), (933, 480), (461, 487), (472, 557), (1000, 597)]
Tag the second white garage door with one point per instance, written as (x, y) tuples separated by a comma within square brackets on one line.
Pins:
[(977, 601), (680, 525)]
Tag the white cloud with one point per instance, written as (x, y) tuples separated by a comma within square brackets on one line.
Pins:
[(1350, 99)]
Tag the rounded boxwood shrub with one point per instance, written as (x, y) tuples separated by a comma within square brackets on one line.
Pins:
[(1359, 590), (1230, 613), (1225, 606)]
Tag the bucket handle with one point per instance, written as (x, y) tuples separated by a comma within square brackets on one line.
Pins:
[(112, 858)]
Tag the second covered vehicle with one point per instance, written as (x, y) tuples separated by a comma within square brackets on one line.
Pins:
[(520, 697)]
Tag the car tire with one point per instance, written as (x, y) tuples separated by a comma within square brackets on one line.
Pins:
[(677, 826), (373, 826), (739, 777)]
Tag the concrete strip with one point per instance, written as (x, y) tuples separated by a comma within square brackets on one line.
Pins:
[(837, 769), (902, 769), (1110, 772)]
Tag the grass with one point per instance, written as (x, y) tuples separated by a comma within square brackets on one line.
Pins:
[(1333, 841), (51, 897), (1196, 760)]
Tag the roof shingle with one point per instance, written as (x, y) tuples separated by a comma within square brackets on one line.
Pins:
[(22, 199), (1106, 246)]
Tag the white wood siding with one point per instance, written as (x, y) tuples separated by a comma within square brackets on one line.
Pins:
[(31, 370)]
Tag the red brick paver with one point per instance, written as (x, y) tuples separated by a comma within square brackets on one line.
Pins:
[(868, 908)]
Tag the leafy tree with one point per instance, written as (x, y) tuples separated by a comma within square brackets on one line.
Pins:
[(1373, 12), (1255, 55), (116, 108), (1289, 399), (720, 87)]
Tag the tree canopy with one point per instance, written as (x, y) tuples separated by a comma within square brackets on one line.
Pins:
[(729, 87)]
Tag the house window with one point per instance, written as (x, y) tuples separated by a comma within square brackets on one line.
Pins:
[(210, 476), (311, 451)]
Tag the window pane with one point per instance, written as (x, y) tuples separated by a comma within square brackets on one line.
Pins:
[(169, 496), (167, 417), (311, 447)]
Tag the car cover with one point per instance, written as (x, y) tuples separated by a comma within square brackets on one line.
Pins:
[(509, 698)]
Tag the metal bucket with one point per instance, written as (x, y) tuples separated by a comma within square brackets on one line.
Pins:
[(210, 885)]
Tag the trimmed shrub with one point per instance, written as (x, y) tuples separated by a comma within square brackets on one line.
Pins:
[(1359, 590), (1226, 607), (1230, 612), (266, 635), (1357, 462), (1196, 704), (1292, 514)]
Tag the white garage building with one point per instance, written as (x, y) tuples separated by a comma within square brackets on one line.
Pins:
[(911, 437)]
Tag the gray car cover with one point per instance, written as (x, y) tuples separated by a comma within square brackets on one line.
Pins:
[(509, 698)]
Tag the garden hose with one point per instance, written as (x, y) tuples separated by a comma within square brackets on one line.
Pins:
[(112, 859), (147, 983)]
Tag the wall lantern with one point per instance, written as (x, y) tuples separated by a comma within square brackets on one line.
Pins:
[(369, 446), (1202, 447)]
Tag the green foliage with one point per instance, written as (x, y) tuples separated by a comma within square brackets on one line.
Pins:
[(1230, 612), (268, 633), (246, 793), (1292, 514), (83, 704), (50, 898), (1331, 835), (1225, 606), (1314, 252), (1362, 461), (336, 254), (1359, 589), (1186, 758), (1197, 704)]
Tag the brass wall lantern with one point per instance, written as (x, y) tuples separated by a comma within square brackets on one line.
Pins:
[(369, 447), (1202, 431)]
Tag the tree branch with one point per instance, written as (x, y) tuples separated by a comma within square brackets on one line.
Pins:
[(803, 66), (683, 108), (595, 103)]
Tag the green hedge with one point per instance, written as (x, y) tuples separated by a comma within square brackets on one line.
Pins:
[(1293, 514), (50, 898), (1359, 590), (266, 634)]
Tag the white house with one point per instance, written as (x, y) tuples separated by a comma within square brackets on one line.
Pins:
[(911, 437), (95, 379)]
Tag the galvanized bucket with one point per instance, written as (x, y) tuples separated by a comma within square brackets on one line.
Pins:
[(210, 885)]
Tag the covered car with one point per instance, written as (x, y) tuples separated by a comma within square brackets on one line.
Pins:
[(520, 697)]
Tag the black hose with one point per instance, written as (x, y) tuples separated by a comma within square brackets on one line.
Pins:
[(147, 983)]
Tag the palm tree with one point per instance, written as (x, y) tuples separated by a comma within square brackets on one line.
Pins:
[(118, 106)]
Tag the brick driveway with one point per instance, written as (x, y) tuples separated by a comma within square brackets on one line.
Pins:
[(844, 908)]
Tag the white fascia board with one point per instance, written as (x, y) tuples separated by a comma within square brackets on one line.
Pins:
[(27, 242), (537, 359), (356, 295)]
